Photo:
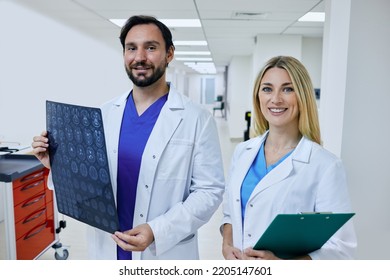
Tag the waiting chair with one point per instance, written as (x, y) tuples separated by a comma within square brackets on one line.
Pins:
[(220, 106)]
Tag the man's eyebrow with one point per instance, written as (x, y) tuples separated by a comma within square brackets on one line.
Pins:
[(152, 42)]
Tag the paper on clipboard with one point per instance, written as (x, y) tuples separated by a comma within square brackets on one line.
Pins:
[(291, 235)]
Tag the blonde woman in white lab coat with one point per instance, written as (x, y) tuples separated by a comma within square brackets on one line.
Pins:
[(284, 169)]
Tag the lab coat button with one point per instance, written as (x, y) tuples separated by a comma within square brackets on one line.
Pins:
[(154, 156), (249, 235), (141, 215), (146, 186), (237, 200), (251, 205), (114, 151)]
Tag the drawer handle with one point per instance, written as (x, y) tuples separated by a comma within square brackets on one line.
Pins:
[(35, 230), (33, 176), (34, 216), (35, 200), (26, 188)]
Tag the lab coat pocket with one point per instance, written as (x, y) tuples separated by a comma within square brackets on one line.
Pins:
[(176, 160)]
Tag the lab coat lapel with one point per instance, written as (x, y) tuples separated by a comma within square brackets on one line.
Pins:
[(167, 122), (246, 160), (281, 172), (241, 168), (169, 119), (114, 119), (284, 169), (116, 114)]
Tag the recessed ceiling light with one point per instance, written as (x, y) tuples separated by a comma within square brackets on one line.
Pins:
[(190, 43), (202, 67), (118, 21), (194, 58), (313, 16), (181, 22), (192, 53), (168, 22)]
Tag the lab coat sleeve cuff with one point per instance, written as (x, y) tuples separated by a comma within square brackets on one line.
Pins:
[(225, 220), (50, 184)]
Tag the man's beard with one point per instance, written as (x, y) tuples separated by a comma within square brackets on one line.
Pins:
[(146, 81)]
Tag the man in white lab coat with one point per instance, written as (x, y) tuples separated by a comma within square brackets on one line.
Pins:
[(164, 156)]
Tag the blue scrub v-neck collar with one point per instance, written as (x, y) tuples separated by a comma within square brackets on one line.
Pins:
[(150, 111)]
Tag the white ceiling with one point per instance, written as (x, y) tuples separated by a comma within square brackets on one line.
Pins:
[(228, 26)]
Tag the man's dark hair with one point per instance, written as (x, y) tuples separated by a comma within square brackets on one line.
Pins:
[(142, 19)]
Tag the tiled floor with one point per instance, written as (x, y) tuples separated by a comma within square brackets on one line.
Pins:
[(73, 237)]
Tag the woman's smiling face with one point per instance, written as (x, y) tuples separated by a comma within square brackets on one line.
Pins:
[(278, 100)]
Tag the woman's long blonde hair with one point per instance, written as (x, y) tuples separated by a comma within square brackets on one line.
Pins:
[(303, 87)]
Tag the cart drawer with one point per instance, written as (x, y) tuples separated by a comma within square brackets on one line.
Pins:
[(37, 175), (36, 218), (32, 204), (27, 190), (35, 241)]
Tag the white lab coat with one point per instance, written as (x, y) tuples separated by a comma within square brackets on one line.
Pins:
[(181, 180), (311, 179)]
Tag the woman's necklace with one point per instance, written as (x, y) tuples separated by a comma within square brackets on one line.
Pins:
[(277, 150), (274, 154)]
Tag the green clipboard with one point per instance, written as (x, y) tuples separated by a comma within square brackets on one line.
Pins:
[(292, 235)]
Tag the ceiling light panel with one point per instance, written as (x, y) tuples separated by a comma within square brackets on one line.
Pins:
[(192, 53), (190, 43), (181, 22), (313, 17), (194, 58), (168, 22)]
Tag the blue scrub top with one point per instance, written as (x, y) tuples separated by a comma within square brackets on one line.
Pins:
[(134, 133), (255, 174)]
